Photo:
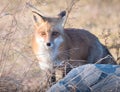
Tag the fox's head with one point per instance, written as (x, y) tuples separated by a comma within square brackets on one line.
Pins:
[(48, 30)]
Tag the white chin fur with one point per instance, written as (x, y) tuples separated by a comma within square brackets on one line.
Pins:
[(44, 66)]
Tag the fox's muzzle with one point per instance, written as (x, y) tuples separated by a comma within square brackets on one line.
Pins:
[(48, 44)]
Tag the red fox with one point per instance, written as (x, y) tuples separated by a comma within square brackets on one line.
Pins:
[(52, 43)]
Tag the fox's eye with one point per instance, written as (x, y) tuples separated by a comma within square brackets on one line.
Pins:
[(55, 33), (43, 33)]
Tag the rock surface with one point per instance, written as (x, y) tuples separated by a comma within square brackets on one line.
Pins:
[(90, 78)]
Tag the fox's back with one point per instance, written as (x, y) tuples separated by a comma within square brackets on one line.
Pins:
[(80, 36)]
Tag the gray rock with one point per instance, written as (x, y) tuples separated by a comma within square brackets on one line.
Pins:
[(90, 78)]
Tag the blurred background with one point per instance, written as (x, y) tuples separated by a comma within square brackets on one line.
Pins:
[(100, 17)]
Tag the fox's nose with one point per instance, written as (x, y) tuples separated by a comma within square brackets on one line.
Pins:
[(48, 44)]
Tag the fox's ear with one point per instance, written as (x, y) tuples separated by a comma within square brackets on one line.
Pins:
[(62, 16), (38, 18)]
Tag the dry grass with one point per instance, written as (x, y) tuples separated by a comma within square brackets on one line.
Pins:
[(101, 17)]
